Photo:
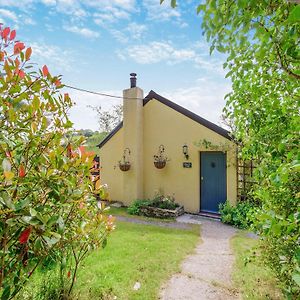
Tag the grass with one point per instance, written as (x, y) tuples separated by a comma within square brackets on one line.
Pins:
[(253, 280), (135, 253)]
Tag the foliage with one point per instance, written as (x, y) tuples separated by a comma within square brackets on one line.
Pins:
[(86, 132), (160, 156), (159, 201), (44, 285), (164, 201), (227, 146), (261, 41), (240, 215), (108, 119), (250, 276), (47, 201), (94, 140), (134, 207)]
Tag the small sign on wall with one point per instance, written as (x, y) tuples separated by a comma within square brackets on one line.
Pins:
[(187, 165)]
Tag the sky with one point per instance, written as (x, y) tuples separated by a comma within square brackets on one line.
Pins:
[(96, 44)]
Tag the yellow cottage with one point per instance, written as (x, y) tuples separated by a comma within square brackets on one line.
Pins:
[(163, 146)]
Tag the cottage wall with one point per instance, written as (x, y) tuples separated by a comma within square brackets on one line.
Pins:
[(164, 125), (110, 154)]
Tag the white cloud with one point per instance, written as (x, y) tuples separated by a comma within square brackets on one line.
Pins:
[(71, 7), (49, 2), (110, 15), (49, 27), (119, 35), (105, 10), (23, 5), (57, 59), (136, 30), (160, 12), (29, 21), (10, 17), (85, 32), (7, 14), (148, 54), (155, 52), (205, 98), (132, 31), (129, 5)]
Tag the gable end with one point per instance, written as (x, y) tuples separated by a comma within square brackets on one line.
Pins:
[(221, 131), (152, 95), (110, 135)]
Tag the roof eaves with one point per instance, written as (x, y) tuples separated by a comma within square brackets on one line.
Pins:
[(110, 135), (152, 95)]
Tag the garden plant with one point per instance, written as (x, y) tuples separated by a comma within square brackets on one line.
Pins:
[(160, 201), (48, 206)]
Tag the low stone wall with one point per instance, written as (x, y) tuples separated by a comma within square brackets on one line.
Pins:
[(156, 212)]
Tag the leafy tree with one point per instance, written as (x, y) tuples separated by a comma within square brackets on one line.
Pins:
[(261, 40), (85, 132), (47, 201), (108, 119)]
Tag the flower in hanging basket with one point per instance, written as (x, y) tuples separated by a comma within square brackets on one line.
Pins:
[(160, 159), (124, 166), (160, 164)]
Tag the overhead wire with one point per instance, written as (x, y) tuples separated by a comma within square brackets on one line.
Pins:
[(99, 93), (95, 93)]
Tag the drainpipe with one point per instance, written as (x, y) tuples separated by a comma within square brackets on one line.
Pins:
[(133, 139)]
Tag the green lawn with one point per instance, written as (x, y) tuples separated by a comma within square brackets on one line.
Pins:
[(143, 253), (134, 253), (253, 280), (150, 255)]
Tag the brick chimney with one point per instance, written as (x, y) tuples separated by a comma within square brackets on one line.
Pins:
[(133, 139)]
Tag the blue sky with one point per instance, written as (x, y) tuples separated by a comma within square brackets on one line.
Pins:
[(95, 44)]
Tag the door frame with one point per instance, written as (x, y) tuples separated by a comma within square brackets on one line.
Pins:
[(200, 180)]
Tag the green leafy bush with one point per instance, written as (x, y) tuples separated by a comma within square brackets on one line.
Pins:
[(47, 199), (164, 202), (159, 201), (240, 215), (134, 208)]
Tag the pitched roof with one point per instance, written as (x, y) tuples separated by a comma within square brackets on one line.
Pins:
[(152, 95)]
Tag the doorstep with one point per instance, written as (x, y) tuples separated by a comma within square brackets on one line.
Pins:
[(210, 215)]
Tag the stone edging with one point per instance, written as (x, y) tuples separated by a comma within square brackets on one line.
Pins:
[(157, 212)]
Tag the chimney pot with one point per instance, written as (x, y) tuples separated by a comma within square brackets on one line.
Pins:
[(132, 80)]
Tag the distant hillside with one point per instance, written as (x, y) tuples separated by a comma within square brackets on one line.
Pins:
[(94, 140)]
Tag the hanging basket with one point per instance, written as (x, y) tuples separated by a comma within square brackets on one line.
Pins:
[(124, 167), (160, 164)]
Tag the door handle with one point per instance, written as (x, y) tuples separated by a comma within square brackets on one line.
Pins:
[(202, 178)]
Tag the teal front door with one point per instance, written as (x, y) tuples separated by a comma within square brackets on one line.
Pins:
[(212, 181)]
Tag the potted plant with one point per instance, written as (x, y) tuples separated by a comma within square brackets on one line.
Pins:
[(160, 159), (124, 164)]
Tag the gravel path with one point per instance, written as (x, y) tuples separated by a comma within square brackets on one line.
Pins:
[(154, 223), (207, 273)]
